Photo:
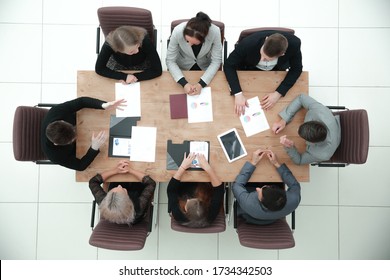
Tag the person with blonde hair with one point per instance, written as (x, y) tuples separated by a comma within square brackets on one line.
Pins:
[(195, 45), (128, 48), (124, 203), (195, 204)]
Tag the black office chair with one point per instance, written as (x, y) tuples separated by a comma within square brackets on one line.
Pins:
[(221, 26), (353, 148), (27, 133), (246, 32), (111, 18)]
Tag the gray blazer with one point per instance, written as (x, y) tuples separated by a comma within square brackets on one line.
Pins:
[(181, 57), (249, 206), (315, 152)]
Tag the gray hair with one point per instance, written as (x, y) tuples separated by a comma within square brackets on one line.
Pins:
[(117, 208)]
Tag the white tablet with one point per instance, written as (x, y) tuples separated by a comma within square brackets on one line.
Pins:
[(232, 145)]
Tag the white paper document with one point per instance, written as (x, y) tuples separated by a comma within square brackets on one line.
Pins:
[(132, 94), (199, 147), (200, 107), (254, 120), (143, 144)]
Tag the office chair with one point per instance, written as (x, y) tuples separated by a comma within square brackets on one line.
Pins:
[(111, 18), (353, 148), (277, 235), (245, 33), (123, 237), (221, 26), (217, 226), (27, 133)]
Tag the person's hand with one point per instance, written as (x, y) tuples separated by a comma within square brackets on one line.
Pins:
[(278, 126), (240, 103), (203, 163), (286, 142), (188, 89), (195, 89), (187, 161), (123, 166), (273, 158), (98, 141), (131, 79), (116, 104), (257, 156), (268, 101)]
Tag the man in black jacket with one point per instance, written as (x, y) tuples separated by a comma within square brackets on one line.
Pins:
[(264, 50)]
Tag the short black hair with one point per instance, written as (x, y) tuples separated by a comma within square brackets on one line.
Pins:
[(61, 132), (313, 131), (274, 197)]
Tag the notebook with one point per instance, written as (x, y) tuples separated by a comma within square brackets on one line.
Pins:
[(175, 153), (178, 105), (119, 143)]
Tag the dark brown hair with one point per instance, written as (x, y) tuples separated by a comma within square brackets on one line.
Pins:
[(274, 197), (275, 45), (313, 131), (61, 132), (198, 27)]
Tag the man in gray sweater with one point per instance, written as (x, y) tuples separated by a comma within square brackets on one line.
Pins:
[(271, 202)]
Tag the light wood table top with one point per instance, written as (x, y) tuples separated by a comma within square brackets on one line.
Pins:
[(155, 111)]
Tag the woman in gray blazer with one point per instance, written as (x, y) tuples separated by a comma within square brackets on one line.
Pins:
[(195, 45)]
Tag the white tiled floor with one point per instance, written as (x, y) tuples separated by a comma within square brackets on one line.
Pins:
[(344, 214)]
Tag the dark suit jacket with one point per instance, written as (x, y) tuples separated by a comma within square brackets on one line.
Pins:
[(246, 56)]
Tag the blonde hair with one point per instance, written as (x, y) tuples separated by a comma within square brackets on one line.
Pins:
[(117, 208), (125, 36)]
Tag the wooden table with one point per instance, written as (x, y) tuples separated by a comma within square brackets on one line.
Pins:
[(155, 112)]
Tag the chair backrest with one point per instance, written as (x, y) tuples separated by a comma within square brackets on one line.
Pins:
[(111, 18), (219, 225), (277, 235), (245, 33), (353, 148), (27, 133), (122, 237)]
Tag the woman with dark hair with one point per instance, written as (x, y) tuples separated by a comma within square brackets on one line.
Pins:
[(128, 48), (195, 204), (195, 45)]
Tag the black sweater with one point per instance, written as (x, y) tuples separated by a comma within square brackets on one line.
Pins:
[(146, 52)]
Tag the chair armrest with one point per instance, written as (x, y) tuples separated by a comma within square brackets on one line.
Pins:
[(93, 214), (337, 108), (46, 104), (97, 40), (235, 214)]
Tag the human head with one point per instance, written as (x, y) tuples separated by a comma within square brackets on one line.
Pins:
[(275, 45), (61, 133), (197, 28), (117, 207), (273, 197), (126, 39), (313, 131), (195, 212)]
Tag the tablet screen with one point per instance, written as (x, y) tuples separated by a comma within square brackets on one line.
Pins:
[(232, 145)]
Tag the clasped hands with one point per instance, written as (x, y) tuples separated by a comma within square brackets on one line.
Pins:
[(259, 154), (123, 166), (192, 89)]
